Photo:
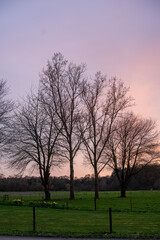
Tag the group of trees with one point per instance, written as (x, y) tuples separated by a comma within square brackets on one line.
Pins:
[(147, 178), (72, 113)]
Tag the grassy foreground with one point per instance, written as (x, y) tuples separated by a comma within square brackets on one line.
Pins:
[(137, 216)]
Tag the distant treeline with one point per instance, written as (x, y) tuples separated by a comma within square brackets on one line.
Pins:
[(148, 178)]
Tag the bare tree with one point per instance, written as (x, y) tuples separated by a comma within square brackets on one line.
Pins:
[(103, 102), (6, 107), (134, 143), (61, 83), (34, 140)]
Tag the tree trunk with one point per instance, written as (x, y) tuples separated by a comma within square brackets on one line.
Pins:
[(47, 195), (96, 185), (123, 192), (72, 197), (46, 186)]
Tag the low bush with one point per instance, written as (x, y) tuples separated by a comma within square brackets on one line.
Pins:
[(46, 204)]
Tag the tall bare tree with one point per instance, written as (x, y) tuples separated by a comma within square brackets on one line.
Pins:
[(134, 143), (61, 83), (6, 107), (33, 139), (103, 102)]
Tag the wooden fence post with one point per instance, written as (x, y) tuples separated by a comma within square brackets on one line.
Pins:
[(110, 220), (34, 219)]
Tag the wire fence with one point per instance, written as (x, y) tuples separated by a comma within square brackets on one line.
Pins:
[(16, 219), (28, 213)]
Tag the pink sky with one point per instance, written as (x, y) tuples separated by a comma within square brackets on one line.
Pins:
[(120, 38)]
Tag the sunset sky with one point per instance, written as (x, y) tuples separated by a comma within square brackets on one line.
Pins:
[(118, 37)]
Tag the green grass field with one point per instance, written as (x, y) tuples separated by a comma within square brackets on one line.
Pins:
[(136, 216)]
